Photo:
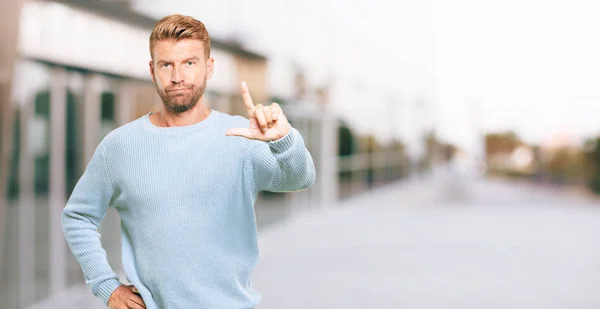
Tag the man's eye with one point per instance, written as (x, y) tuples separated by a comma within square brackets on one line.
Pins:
[(166, 65), (190, 63)]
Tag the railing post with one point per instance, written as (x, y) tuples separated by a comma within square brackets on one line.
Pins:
[(58, 249), (328, 160), (26, 212)]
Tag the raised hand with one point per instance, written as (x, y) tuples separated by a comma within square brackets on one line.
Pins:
[(267, 123), (126, 297)]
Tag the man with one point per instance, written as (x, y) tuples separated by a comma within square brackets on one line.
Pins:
[(184, 181)]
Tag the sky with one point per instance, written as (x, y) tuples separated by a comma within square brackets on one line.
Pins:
[(529, 66)]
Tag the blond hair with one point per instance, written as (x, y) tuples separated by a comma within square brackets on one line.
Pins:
[(179, 27)]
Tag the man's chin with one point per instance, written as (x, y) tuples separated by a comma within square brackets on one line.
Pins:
[(177, 107)]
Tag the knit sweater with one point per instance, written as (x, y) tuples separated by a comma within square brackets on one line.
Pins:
[(185, 196)]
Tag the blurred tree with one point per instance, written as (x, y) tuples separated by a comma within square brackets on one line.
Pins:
[(498, 150), (504, 143), (346, 143), (431, 147), (592, 158), (13, 180), (449, 152), (566, 165)]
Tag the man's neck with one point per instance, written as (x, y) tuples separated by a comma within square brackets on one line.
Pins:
[(193, 116)]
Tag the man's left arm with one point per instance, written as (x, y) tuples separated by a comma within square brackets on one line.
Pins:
[(276, 158), (282, 165)]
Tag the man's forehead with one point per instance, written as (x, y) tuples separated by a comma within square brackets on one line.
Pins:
[(179, 48)]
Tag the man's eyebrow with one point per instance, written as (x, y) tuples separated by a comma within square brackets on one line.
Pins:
[(162, 61), (191, 58)]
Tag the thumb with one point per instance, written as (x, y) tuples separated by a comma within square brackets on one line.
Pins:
[(243, 132)]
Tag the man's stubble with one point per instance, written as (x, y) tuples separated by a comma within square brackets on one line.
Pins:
[(177, 104)]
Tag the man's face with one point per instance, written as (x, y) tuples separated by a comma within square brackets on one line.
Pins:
[(180, 70)]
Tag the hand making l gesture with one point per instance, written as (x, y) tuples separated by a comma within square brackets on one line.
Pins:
[(267, 123)]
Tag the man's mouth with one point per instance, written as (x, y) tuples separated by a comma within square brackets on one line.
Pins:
[(177, 90)]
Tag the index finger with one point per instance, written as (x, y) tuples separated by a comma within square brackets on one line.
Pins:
[(246, 97)]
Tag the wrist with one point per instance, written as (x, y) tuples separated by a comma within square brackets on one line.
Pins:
[(285, 133), (106, 289), (284, 143)]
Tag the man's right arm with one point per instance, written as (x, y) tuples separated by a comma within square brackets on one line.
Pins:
[(84, 211)]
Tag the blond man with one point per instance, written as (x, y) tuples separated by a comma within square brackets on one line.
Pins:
[(184, 181)]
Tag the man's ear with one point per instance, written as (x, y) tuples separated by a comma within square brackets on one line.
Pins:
[(210, 67), (151, 64)]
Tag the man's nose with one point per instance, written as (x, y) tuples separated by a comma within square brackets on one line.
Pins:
[(176, 77)]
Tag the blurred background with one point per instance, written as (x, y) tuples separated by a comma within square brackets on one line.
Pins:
[(456, 144)]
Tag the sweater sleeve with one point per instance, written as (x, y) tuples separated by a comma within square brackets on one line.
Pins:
[(84, 211), (283, 165)]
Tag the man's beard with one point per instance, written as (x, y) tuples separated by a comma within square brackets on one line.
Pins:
[(179, 103)]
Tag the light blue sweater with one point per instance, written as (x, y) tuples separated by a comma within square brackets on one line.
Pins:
[(185, 196)]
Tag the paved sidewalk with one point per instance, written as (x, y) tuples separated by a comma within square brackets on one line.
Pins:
[(331, 259), (398, 248)]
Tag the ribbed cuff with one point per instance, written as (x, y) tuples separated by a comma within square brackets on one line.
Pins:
[(284, 143), (106, 288)]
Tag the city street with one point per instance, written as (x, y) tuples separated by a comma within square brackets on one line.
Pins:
[(455, 149), (448, 243)]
